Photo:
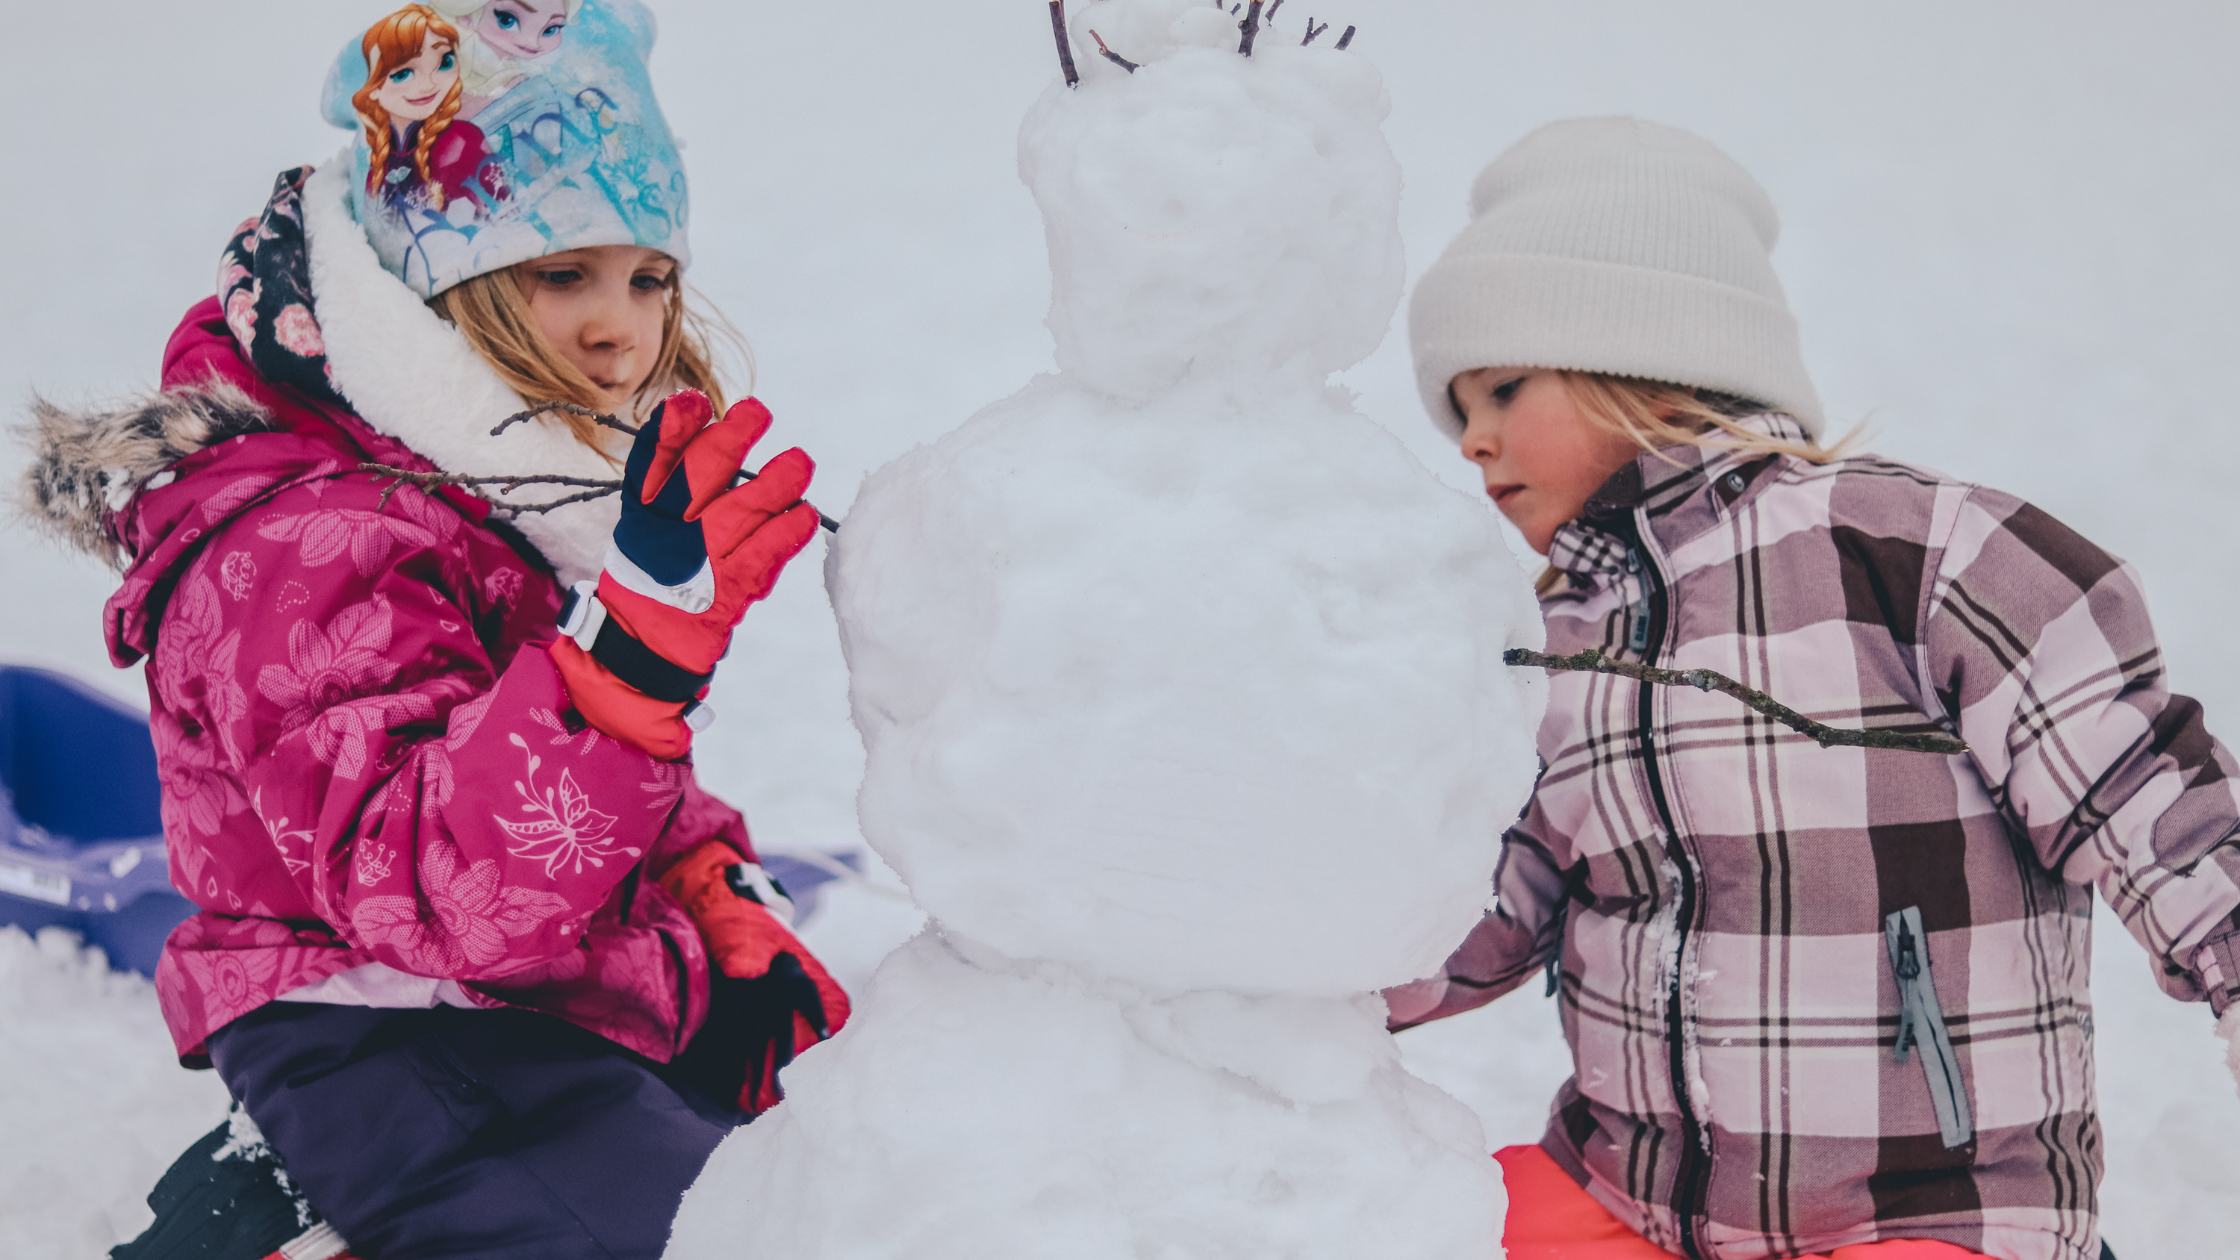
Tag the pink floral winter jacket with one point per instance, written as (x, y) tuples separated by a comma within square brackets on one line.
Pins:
[(367, 755)]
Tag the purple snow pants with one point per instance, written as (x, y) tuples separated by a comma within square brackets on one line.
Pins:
[(450, 1133)]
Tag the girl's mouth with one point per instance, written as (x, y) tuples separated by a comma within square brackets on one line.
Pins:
[(1502, 494)]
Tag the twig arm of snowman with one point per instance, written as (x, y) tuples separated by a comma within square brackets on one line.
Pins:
[(1065, 45), (1592, 661)]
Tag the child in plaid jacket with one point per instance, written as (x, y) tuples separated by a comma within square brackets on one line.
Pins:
[(1820, 1000)]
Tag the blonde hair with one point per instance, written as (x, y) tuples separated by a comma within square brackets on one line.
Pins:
[(393, 40), (492, 312), (1656, 416)]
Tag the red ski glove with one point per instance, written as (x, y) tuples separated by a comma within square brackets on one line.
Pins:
[(770, 999), (690, 554)]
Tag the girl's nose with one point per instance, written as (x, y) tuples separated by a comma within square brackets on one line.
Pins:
[(1481, 444), (607, 325)]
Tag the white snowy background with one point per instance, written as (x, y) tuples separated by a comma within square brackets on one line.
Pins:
[(2009, 236)]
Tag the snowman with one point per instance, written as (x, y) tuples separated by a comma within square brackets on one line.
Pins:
[(1181, 688)]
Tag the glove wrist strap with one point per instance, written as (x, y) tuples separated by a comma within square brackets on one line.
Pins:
[(584, 619)]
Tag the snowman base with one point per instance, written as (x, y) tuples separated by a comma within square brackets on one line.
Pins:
[(985, 1108)]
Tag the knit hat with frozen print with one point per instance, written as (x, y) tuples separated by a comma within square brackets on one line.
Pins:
[(491, 133), (1620, 246)]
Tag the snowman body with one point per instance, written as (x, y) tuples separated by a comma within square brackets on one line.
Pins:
[(1185, 720)]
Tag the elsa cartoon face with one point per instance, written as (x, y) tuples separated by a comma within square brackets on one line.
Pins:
[(522, 29), (412, 91)]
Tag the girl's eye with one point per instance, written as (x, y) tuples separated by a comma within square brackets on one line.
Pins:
[(399, 76), (449, 60), (507, 21), (647, 283), (552, 30), (564, 276), (1506, 392)]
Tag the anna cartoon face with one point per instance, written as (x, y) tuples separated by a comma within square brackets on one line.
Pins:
[(522, 29), (411, 91)]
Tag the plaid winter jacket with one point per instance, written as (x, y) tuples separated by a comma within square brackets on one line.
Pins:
[(1826, 996)]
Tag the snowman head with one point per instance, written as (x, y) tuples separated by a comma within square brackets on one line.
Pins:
[(1212, 215)]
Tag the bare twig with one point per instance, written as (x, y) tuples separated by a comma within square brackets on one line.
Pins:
[(600, 418), (1251, 27), (510, 483), (1345, 39), (1312, 32), (1065, 45), (1270, 15), (1113, 57), (505, 484), (1592, 661)]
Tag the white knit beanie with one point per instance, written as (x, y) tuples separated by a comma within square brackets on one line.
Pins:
[(1614, 245)]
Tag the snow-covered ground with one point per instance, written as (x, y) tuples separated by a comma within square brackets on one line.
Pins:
[(2009, 239)]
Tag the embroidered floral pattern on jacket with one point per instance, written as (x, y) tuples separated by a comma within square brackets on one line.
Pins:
[(345, 681)]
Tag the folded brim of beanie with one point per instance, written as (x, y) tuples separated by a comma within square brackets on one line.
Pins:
[(1526, 310)]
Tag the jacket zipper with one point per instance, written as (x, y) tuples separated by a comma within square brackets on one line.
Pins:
[(1646, 635), (1921, 1022)]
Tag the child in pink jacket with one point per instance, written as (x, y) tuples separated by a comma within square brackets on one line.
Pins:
[(488, 968)]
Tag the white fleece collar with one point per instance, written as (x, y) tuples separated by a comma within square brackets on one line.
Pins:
[(414, 377)]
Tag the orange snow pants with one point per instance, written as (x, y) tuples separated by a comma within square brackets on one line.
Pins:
[(1551, 1218)]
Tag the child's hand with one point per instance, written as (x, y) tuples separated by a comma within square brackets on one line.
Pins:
[(770, 998), (690, 554)]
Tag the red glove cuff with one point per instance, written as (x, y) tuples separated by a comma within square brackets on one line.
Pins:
[(743, 937), (615, 707)]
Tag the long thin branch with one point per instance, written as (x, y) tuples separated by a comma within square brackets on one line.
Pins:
[(592, 488), (1592, 661), (1065, 45), (1312, 32), (1270, 15), (1251, 27), (510, 482)]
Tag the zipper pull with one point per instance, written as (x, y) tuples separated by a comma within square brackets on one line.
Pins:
[(1637, 638), (1909, 959), (1908, 968)]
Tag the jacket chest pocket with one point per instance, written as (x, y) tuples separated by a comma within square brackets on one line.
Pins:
[(1921, 1025)]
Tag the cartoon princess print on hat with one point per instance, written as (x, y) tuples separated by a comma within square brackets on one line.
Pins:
[(492, 132), (421, 150), (503, 42)]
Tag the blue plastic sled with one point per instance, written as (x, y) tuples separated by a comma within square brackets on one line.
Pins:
[(81, 828)]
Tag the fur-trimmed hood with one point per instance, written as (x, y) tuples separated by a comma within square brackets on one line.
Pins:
[(86, 466), (407, 374)]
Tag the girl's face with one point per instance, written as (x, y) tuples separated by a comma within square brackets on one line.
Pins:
[(412, 91), (602, 308), (1541, 457), (522, 29)]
